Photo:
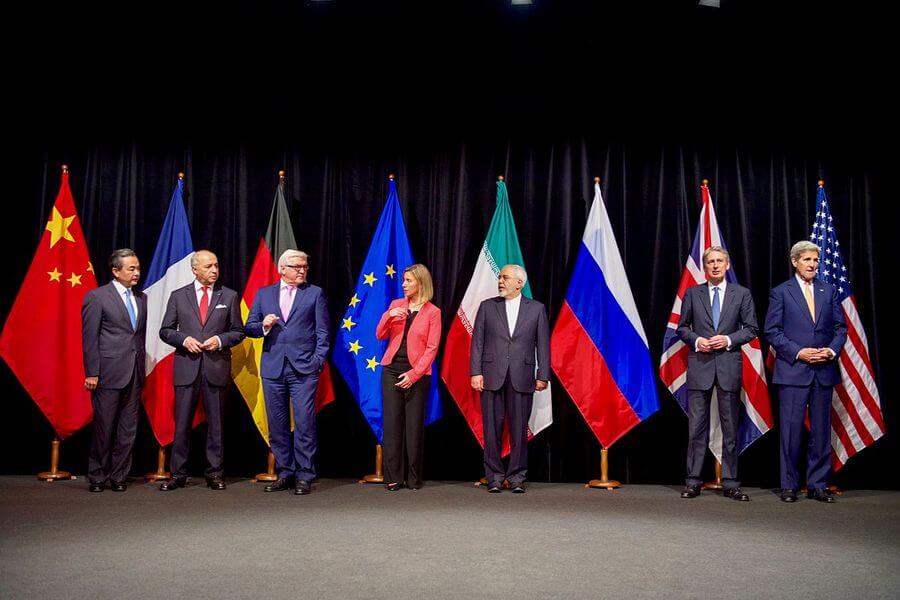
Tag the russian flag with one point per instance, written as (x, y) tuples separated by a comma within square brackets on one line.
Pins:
[(599, 349), (169, 270)]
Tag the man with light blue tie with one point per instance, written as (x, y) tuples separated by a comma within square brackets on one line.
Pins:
[(292, 316), (717, 318), (113, 330)]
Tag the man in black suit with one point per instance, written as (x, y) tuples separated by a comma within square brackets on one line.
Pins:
[(717, 318), (202, 322), (113, 331), (509, 331)]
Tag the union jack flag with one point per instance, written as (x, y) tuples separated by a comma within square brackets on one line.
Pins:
[(856, 419), (755, 407)]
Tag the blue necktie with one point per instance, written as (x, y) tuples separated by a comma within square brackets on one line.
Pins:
[(716, 308), (130, 309)]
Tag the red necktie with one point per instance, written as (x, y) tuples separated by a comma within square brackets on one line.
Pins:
[(204, 304)]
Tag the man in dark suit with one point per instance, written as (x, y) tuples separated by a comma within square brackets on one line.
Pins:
[(202, 322), (113, 331), (293, 317), (509, 331), (805, 324), (717, 318)]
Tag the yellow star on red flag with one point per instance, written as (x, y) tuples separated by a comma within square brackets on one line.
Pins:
[(74, 279), (54, 274), (58, 226)]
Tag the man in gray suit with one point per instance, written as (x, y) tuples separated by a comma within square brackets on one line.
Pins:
[(113, 329), (509, 331), (717, 318), (202, 321)]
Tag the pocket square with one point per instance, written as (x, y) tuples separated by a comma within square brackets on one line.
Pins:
[(221, 306)]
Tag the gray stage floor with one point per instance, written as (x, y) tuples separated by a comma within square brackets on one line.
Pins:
[(447, 540)]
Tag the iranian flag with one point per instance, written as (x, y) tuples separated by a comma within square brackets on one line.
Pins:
[(501, 248)]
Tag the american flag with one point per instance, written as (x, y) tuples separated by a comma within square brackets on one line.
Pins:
[(856, 419), (755, 408)]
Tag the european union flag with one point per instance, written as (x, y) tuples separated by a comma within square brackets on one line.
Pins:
[(357, 352)]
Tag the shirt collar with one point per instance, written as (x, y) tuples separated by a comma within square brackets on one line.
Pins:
[(515, 300), (119, 287), (802, 282), (199, 286), (721, 286)]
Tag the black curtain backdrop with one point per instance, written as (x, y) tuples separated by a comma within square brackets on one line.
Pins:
[(761, 98), (763, 195)]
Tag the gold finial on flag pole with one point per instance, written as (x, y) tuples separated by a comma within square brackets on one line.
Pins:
[(501, 178), (180, 176), (391, 177), (597, 180), (821, 183), (281, 175), (706, 182), (65, 168)]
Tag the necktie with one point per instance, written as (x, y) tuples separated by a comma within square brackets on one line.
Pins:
[(204, 304), (128, 306), (716, 308), (807, 291), (287, 300)]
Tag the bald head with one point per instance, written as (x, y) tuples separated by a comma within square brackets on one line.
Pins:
[(205, 266)]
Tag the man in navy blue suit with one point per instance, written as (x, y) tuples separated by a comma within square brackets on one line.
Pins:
[(293, 318), (805, 324)]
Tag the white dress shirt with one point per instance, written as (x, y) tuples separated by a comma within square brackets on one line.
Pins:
[(812, 292), (122, 289), (512, 312), (710, 288), (198, 290)]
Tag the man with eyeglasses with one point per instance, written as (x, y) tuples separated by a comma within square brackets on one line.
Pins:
[(292, 316)]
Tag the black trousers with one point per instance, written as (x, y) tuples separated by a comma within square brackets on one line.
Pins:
[(698, 434), (404, 427), (115, 426), (186, 398), (516, 408)]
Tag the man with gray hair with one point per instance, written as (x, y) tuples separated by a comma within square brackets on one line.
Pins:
[(806, 327), (113, 332), (717, 319), (510, 330), (292, 316)]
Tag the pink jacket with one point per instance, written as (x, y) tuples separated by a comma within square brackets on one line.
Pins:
[(421, 342)]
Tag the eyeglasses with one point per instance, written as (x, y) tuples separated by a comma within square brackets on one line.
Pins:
[(298, 267)]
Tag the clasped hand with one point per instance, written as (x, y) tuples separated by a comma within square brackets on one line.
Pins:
[(716, 342)]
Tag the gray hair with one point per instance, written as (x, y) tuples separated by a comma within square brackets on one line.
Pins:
[(802, 247), (718, 249), (116, 258), (291, 253), (519, 270), (196, 261)]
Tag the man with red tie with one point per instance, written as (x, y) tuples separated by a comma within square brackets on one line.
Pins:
[(805, 324), (202, 322)]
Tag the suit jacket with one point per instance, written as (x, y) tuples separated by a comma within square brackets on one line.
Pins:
[(737, 320), (421, 342), (110, 347), (789, 328), (302, 339), (182, 320), (494, 352)]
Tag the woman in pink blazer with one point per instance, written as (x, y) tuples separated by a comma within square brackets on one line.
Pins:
[(413, 325)]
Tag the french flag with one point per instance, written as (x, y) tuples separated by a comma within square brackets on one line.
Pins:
[(169, 270), (599, 350)]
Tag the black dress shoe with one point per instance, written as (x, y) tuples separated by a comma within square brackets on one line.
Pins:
[(518, 488), (820, 495), (690, 491), (303, 487), (279, 485), (494, 488), (736, 494), (96, 487), (118, 486), (393, 487), (215, 483), (173, 484), (788, 495)]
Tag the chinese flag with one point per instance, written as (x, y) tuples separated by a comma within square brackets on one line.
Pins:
[(41, 339)]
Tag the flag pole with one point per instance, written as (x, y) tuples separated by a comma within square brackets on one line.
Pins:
[(161, 472), (604, 483), (717, 483), (54, 473), (269, 475), (378, 476)]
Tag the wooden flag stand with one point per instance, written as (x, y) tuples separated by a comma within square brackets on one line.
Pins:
[(54, 473), (604, 482), (378, 476), (161, 472), (269, 475), (717, 484)]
